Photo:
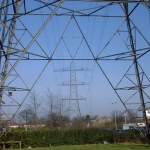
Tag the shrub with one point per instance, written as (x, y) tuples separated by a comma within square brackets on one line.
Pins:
[(45, 138)]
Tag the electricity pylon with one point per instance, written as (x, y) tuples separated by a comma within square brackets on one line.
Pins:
[(126, 41), (73, 98)]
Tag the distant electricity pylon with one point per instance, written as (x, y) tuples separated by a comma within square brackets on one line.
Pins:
[(73, 98)]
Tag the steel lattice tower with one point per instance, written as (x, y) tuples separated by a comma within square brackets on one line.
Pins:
[(126, 43), (73, 98)]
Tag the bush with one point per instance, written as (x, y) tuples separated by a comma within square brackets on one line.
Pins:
[(45, 138), (130, 136)]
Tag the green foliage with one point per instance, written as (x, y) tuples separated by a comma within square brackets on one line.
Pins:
[(46, 138), (130, 136), (92, 136), (96, 147)]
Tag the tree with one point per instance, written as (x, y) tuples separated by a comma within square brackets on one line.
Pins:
[(131, 116), (78, 122), (25, 116), (119, 118), (33, 107), (55, 110)]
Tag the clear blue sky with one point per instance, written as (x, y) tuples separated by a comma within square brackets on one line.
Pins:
[(97, 32)]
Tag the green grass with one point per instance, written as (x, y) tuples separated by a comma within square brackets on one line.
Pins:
[(96, 147)]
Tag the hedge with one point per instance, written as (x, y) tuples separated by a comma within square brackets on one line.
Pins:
[(46, 138)]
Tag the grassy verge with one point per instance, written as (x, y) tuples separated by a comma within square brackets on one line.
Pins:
[(95, 147)]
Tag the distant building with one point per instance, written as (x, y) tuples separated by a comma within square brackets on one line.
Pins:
[(133, 126), (33, 126), (102, 120), (148, 114), (17, 125), (14, 125), (3, 121), (128, 126)]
